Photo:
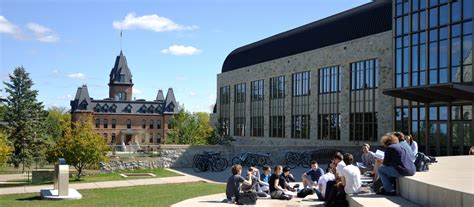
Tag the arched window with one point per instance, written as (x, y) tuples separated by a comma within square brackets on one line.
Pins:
[(97, 123), (114, 122), (158, 125), (129, 123), (106, 123), (143, 123), (152, 123)]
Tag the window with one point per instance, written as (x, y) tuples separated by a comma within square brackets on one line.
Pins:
[(114, 122), (277, 106), (329, 118), (97, 123), (128, 109), (97, 108), (301, 84), (256, 109), (122, 78), (158, 125), (152, 124), (239, 109), (363, 96), (158, 138), (150, 138), (106, 123), (105, 135), (300, 105), (300, 127), (121, 96), (113, 140), (170, 124), (143, 124), (224, 109), (129, 123)]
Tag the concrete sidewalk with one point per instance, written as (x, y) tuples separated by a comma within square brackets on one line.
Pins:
[(184, 178)]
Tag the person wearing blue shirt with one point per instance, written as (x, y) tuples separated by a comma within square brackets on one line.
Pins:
[(311, 177)]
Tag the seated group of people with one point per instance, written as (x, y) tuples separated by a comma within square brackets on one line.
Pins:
[(341, 176)]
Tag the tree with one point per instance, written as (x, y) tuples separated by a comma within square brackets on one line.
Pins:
[(25, 116), (80, 146), (5, 148), (189, 128), (56, 123), (218, 137)]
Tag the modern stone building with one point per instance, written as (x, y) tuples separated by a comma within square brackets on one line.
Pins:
[(124, 121), (333, 82)]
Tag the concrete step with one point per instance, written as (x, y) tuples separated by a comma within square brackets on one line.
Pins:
[(375, 200)]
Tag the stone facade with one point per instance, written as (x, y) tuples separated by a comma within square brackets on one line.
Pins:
[(377, 46)]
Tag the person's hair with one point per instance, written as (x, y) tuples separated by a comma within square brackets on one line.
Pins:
[(338, 156), (314, 162), (471, 151), (328, 169), (409, 139), (400, 136), (366, 145), (277, 167), (235, 169), (286, 169), (389, 139), (266, 167), (348, 158)]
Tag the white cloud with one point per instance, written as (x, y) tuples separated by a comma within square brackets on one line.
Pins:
[(136, 91), (9, 28), (79, 76), (181, 50), (150, 22), (42, 33), (182, 78), (192, 93), (66, 97)]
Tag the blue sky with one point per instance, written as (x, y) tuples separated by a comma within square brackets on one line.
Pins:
[(168, 43)]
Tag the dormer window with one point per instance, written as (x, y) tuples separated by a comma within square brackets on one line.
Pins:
[(151, 109), (83, 105), (143, 109), (113, 108), (158, 110), (122, 78), (105, 108), (97, 108), (128, 109)]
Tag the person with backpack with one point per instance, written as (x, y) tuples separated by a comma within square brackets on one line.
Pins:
[(277, 185), (396, 163), (234, 183)]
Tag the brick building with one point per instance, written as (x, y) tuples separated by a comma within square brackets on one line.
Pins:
[(121, 120)]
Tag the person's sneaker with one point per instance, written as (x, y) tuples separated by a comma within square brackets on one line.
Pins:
[(383, 192)]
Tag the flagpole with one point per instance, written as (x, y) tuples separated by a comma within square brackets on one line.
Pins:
[(121, 38)]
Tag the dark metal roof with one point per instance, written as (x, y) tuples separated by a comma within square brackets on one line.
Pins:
[(365, 20), (120, 68), (448, 92)]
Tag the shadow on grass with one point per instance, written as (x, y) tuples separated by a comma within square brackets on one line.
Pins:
[(34, 198)]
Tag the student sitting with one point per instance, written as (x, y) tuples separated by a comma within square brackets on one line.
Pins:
[(255, 180), (412, 143), (396, 163), (368, 159), (350, 178), (265, 178), (234, 183), (324, 179), (404, 145), (339, 164), (277, 185), (310, 178), (287, 177)]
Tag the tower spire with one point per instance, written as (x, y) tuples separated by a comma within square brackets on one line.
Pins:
[(121, 34)]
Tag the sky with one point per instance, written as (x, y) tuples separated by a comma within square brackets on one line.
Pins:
[(180, 44)]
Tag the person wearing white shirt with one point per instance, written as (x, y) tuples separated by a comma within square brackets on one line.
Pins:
[(323, 180), (339, 163), (412, 143), (350, 176)]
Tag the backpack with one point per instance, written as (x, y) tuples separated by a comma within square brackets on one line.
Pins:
[(304, 192), (421, 162), (247, 198)]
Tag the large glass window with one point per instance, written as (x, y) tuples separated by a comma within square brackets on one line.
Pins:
[(363, 99), (300, 105), (224, 109), (277, 106), (329, 118), (256, 109), (239, 109)]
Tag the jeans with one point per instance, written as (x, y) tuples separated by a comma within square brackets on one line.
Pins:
[(320, 196), (385, 173)]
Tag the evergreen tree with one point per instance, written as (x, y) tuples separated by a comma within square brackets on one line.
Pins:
[(25, 116)]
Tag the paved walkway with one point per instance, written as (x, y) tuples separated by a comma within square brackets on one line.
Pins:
[(185, 178)]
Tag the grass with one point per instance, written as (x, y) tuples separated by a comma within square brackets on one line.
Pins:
[(159, 172), (151, 195)]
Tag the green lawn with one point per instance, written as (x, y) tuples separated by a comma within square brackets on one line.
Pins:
[(159, 172), (151, 195)]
